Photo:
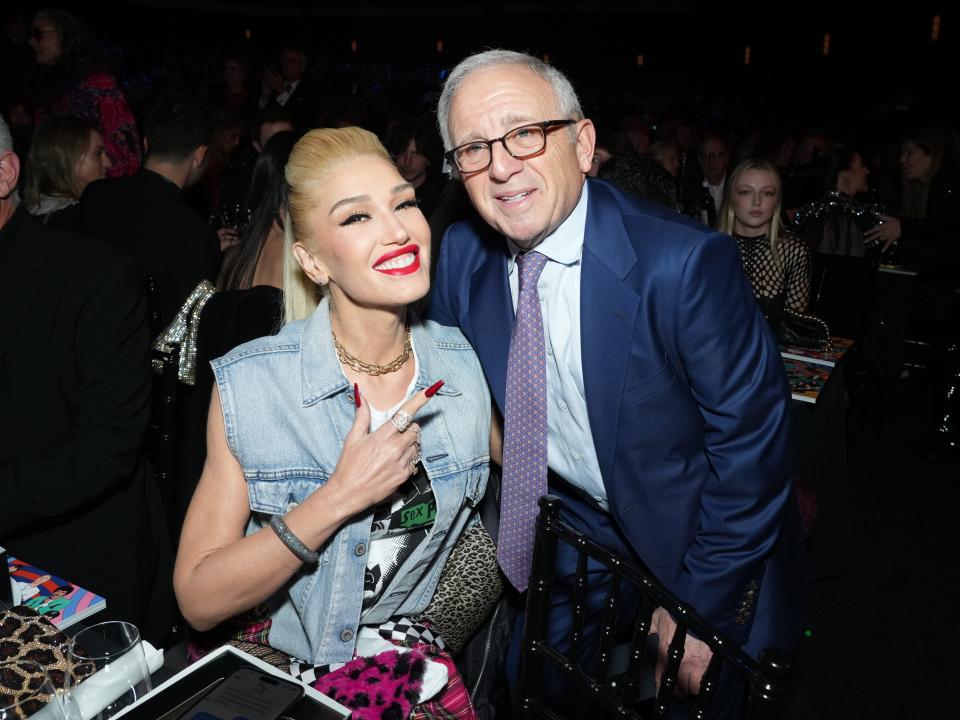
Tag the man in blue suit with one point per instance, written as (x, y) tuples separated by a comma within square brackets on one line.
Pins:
[(666, 402)]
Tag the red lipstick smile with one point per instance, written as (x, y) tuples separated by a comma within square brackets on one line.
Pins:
[(402, 261)]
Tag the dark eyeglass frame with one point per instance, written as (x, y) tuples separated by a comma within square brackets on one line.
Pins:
[(451, 155)]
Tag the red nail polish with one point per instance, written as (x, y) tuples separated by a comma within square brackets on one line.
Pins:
[(356, 394), (432, 390)]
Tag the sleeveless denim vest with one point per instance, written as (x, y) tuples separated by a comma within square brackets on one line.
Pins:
[(287, 408)]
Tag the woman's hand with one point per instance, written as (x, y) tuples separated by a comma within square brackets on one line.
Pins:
[(887, 232), (374, 464)]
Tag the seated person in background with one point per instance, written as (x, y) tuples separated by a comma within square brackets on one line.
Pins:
[(643, 177), (77, 498), (249, 304), (415, 148), (321, 514), (271, 120), (836, 223), (66, 155), (777, 264), (146, 216)]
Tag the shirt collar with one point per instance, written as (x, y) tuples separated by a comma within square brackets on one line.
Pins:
[(565, 244)]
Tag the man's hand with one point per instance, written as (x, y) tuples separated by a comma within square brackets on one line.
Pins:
[(696, 654)]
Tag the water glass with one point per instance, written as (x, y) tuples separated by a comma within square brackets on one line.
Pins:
[(112, 655), (26, 691)]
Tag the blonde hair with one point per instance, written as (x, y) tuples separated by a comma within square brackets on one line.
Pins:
[(311, 161), (726, 218)]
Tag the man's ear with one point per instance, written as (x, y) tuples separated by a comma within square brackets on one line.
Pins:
[(145, 142), (311, 264), (199, 156), (9, 173), (586, 141)]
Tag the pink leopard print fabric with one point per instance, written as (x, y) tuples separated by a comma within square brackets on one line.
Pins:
[(383, 687)]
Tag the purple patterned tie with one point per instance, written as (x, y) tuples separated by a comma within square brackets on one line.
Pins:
[(525, 428)]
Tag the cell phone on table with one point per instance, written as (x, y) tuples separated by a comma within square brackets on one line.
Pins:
[(246, 694)]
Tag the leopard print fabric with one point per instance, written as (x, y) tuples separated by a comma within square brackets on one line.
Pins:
[(26, 637), (468, 589)]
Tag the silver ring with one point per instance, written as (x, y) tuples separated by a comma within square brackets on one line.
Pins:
[(401, 420), (416, 459)]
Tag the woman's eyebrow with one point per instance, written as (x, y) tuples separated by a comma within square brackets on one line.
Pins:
[(349, 201)]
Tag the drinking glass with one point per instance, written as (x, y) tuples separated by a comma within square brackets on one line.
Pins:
[(26, 691), (112, 655)]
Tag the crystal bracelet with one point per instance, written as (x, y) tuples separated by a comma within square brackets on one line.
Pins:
[(293, 543)]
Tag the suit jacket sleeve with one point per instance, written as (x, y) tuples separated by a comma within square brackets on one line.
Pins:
[(441, 308), (109, 404), (736, 376)]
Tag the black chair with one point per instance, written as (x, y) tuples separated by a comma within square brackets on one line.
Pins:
[(163, 431), (767, 681)]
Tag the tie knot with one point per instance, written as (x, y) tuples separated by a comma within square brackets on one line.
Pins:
[(531, 264)]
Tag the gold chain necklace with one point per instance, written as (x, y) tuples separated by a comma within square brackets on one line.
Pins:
[(370, 368)]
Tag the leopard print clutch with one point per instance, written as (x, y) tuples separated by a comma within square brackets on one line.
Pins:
[(469, 587), (26, 637)]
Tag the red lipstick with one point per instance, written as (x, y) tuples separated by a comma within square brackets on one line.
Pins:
[(406, 270)]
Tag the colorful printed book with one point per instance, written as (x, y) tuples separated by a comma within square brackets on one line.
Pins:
[(806, 379), (63, 603), (822, 357)]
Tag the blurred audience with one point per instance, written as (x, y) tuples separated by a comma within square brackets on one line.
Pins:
[(71, 77)]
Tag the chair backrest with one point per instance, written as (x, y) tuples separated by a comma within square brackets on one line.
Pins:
[(164, 423), (841, 292), (767, 680), (151, 285)]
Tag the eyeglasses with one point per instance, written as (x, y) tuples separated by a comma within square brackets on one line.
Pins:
[(521, 142)]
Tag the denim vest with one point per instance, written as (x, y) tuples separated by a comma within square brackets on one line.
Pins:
[(287, 408)]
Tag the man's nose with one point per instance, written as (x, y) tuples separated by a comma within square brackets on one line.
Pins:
[(502, 164)]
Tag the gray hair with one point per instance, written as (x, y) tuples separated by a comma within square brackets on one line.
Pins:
[(6, 145), (6, 139), (568, 105)]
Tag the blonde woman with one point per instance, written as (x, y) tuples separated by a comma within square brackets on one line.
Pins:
[(778, 264), (322, 505)]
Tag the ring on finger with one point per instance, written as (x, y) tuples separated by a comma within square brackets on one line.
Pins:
[(401, 420)]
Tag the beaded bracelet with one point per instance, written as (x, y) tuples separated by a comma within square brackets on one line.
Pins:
[(293, 543)]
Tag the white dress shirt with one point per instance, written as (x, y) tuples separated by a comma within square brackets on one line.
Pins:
[(570, 450), (288, 90)]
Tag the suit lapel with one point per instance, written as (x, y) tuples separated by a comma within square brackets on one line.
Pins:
[(608, 312), (491, 318), (19, 281)]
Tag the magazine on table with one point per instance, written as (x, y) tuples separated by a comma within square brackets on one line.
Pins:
[(60, 601)]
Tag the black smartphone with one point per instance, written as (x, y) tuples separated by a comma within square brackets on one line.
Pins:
[(246, 694)]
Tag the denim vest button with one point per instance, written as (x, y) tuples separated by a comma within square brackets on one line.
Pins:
[(347, 635), (359, 550), (291, 505)]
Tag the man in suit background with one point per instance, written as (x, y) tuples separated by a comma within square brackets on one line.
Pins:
[(146, 216), (76, 497), (288, 88), (665, 403)]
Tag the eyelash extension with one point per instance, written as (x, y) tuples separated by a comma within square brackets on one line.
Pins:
[(355, 218), (415, 202)]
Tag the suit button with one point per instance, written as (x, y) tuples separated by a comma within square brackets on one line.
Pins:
[(359, 550), (346, 635)]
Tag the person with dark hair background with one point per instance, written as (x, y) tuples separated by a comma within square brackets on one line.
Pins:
[(146, 215), (415, 148), (71, 77)]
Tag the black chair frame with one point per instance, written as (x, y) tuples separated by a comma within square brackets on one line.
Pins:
[(767, 680)]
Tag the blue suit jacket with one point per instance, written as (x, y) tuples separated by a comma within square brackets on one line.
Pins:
[(687, 400)]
